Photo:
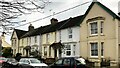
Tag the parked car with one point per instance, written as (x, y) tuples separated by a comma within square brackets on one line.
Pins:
[(32, 62), (2, 59), (10, 63), (13, 63), (68, 62)]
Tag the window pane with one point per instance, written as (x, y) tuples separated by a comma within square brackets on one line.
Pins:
[(101, 26), (35, 39), (47, 37), (45, 51), (102, 50), (70, 36), (67, 47), (74, 47), (68, 52), (60, 35), (94, 49), (70, 33), (94, 29)]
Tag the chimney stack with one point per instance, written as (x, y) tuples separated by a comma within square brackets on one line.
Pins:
[(53, 21), (30, 28), (3, 34)]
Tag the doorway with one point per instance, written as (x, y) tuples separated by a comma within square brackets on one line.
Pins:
[(55, 53)]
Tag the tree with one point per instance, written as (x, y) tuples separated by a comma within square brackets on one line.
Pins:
[(12, 9), (7, 52)]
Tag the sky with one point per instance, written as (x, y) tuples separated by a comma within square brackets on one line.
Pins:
[(56, 6)]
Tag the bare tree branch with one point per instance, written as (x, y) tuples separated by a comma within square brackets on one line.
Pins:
[(11, 10)]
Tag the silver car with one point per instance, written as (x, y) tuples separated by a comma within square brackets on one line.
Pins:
[(33, 62)]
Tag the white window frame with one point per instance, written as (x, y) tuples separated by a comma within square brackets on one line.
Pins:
[(29, 40), (74, 48), (91, 49), (102, 49), (15, 42), (45, 51), (94, 28), (70, 31), (101, 26), (47, 37), (22, 42), (68, 50), (60, 35), (35, 39)]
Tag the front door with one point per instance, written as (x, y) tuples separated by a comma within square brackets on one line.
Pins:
[(55, 53)]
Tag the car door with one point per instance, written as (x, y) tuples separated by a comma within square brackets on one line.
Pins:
[(57, 64), (67, 63), (27, 61)]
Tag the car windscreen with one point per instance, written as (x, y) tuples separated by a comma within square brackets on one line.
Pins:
[(11, 60), (34, 61)]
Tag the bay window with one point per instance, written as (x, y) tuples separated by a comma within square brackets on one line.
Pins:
[(93, 28), (94, 49), (68, 50)]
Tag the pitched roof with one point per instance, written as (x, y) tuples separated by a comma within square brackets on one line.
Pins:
[(102, 6), (20, 33), (71, 22), (35, 32)]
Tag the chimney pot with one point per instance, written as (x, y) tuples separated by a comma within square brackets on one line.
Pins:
[(30, 28), (53, 21)]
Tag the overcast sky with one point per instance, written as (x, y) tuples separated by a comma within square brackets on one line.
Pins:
[(59, 5)]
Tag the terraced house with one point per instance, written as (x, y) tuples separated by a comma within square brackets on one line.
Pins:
[(94, 35), (15, 40), (61, 38)]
